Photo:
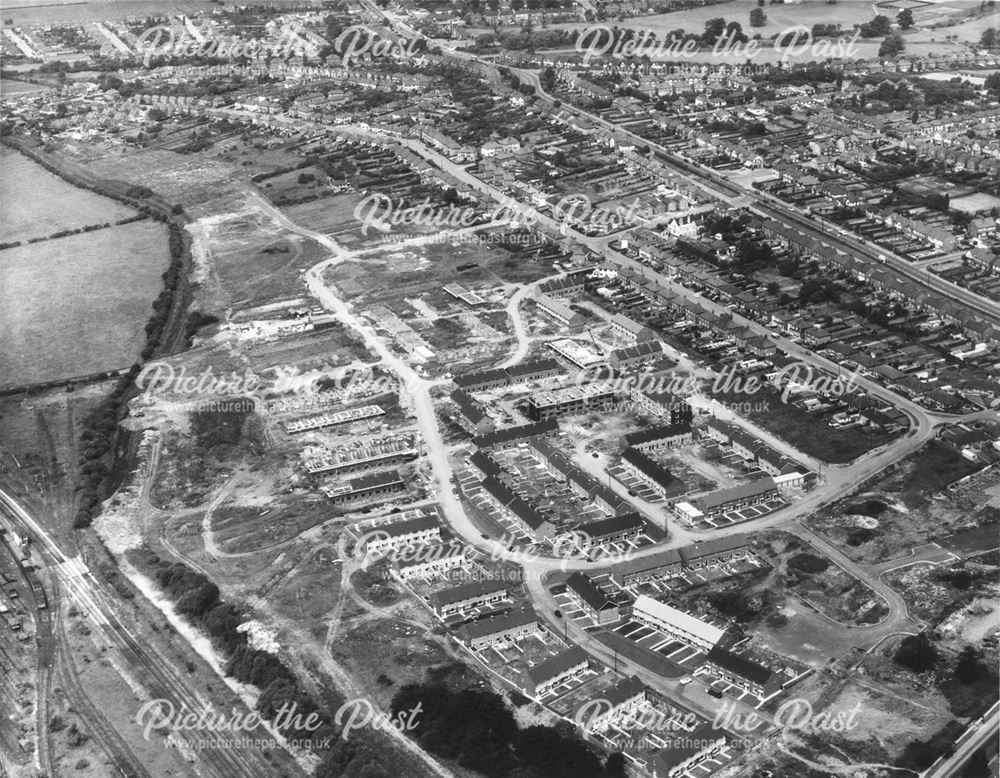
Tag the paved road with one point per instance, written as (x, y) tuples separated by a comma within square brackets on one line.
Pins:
[(772, 207), (976, 736)]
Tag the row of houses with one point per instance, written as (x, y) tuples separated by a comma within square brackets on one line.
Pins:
[(521, 511), (675, 561), (787, 473), (509, 376), (715, 504), (580, 483), (740, 671)]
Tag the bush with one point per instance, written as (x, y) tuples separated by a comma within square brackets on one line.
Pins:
[(808, 563), (916, 653)]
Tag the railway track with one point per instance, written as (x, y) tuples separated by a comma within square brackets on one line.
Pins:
[(114, 745), (148, 668)]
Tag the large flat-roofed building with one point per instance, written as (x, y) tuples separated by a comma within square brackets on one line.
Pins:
[(686, 628), (514, 625), (631, 330), (722, 501), (592, 600), (549, 673), (749, 675), (389, 537), (570, 400), (652, 473), (560, 312), (581, 354), (475, 594), (659, 438), (366, 486)]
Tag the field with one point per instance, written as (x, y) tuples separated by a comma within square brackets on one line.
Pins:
[(63, 305), (35, 203), (40, 12), (806, 13), (197, 181), (11, 87)]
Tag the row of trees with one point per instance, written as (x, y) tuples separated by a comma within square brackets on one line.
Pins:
[(99, 433), (476, 729)]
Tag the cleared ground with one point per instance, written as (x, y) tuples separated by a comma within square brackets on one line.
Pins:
[(64, 310)]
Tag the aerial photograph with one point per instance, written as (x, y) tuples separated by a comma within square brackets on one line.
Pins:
[(500, 389)]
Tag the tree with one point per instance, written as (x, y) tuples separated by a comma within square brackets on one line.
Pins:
[(905, 19), (757, 17), (876, 28), (990, 38), (916, 653), (891, 46), (969, 668)]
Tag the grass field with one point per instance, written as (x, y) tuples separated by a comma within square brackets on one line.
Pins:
[(35, 203), (78, 305), (781, 17)]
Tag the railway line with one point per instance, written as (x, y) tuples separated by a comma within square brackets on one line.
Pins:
[(148, 668)]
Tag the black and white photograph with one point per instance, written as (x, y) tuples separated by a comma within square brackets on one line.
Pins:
[(500, 389)]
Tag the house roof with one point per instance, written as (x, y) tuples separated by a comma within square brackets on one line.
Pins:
[(467, 591), (740, 492), (409, 527), (587, 591), (649, 467), (496, 624), (738, 665), (557, 665), (516, 433), (613, 525), (692, 625)]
